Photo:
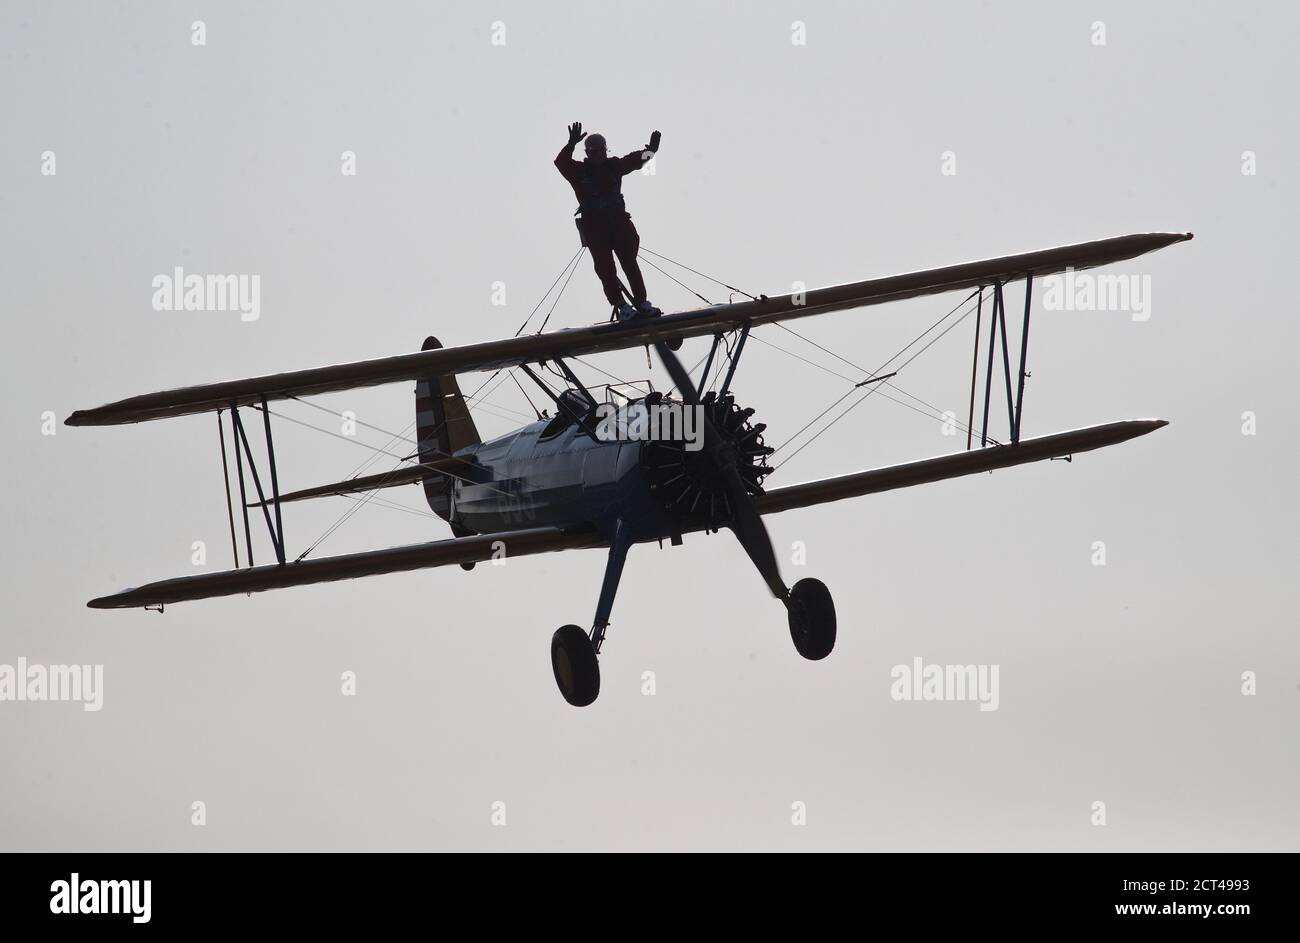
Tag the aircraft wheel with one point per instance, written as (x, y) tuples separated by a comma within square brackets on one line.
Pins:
[(573, 659), (812, 619)]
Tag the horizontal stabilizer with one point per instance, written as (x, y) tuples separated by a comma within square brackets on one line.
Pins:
[(620, 335), (447, 467), (258, 579), (954, 466)]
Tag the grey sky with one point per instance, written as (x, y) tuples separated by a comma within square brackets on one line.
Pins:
[(818, 163)]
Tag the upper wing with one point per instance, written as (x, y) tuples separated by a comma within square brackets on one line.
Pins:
[(516, 543), (954, 466), (618, 335)]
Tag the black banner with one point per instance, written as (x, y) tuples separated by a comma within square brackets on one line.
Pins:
[(144, 892)]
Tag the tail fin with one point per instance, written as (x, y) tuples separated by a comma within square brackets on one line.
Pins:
[(443, 427)]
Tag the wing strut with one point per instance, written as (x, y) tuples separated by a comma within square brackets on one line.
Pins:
[(708, 365), (974, 367), (1024, 350), (243, 451), (735, 358), (225, 477), (563, 405), (998, 332)]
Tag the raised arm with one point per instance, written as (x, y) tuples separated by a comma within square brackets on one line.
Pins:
[(634, 161), (564, 161)]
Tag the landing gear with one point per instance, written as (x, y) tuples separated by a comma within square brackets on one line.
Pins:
[(573, 651), (812, 619), (573, 659)]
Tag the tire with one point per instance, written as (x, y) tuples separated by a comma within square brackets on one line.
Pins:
[(573, 660), (812, 619)]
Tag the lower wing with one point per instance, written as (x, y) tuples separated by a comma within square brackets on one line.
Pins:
[(257, 579)]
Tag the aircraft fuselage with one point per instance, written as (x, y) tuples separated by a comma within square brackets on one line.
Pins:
[(566, 480)]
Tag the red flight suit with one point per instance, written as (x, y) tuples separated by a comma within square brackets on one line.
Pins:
[(606, 227)]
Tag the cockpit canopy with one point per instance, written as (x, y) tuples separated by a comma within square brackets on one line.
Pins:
[(572, 404)]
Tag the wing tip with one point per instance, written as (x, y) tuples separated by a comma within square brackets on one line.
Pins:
[(1145, 425), (119, 600), (1136, 428), (114, 602)]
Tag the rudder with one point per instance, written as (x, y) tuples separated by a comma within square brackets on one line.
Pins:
[(443, 426)]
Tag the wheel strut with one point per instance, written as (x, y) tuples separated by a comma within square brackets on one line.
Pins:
[(609, 586)]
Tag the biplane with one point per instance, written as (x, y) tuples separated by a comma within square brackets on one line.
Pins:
[(555, 484)]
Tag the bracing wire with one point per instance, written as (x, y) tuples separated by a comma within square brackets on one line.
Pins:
[(873, 389), (574, 269), (541, 301), (934, 410)]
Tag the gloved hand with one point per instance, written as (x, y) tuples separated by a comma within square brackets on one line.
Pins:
[(654, 142), (576, 133)]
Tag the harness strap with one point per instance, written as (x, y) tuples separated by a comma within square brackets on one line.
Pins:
[(609, 201)]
